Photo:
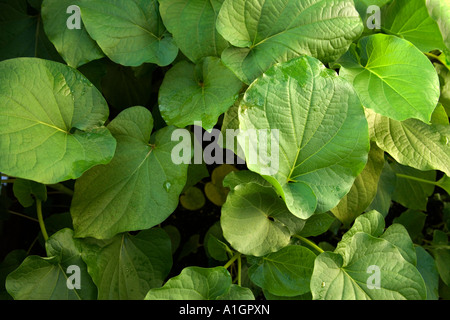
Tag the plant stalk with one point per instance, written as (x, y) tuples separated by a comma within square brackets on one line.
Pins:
[(309, 243), (41, 219)]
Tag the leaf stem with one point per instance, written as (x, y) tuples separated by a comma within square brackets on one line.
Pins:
[(404, 176), (232, 260), (309, 242), (239, 262), (41, 219), (23, 216), (62, 188)]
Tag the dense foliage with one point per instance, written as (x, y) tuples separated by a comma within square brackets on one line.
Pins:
[(119, 179)]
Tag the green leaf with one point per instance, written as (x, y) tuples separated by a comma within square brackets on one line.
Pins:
[(181, 17), (317, 224), (194, 283), (444, 183), (40, 278), (336, 279), (399, 237), (286, 272), (74, 45), (201, 92), (392, 77), (237, 292), (413, 221), (235, 178), (409, 19), (195, 174), (440, 12), (130, 32), (268, 32), (192, 199), (412, 189), (412, 142), (126, 267), (214, 190), (444, 80), (52, 126), (323, 137), (364, 188), (175, 236), (215, 244), (255, 221), (386, 185), (24, 190), (21, 34), (141, 186), (429, 272), (11, 262)]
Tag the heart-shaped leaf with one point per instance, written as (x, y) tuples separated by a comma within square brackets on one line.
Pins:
[(130, 32), (392, 77), (409, 19), (267, 32), (255, 221), (75, 45), (40, 278), (126, 267), (201, 92), (367, 257), (182, 16), (194, 283), (141, 186), (52, 122), (412, 142), (285, 273), (323, 135)]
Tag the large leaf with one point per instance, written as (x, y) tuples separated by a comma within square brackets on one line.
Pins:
[(255, 221), (126, 267), (392, 77), (75, 45), (52, 122), (363, 190), (22, 34), (409, 19), (336, 279), (181, 17), (386, 185), (267, 32), (427, 268), (412, 142), (194, 283), (200, 92), (40, 278), (286, 272), (130, 32), (323, 136), (138, 189)]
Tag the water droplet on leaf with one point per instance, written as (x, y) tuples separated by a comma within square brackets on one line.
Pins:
[(167, 186)]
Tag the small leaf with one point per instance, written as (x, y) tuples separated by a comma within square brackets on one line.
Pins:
[(192, 199), (214, 190), (201, 92), (413, 221), (255, 221), (429, 272), (25, 190), (194, 283)]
